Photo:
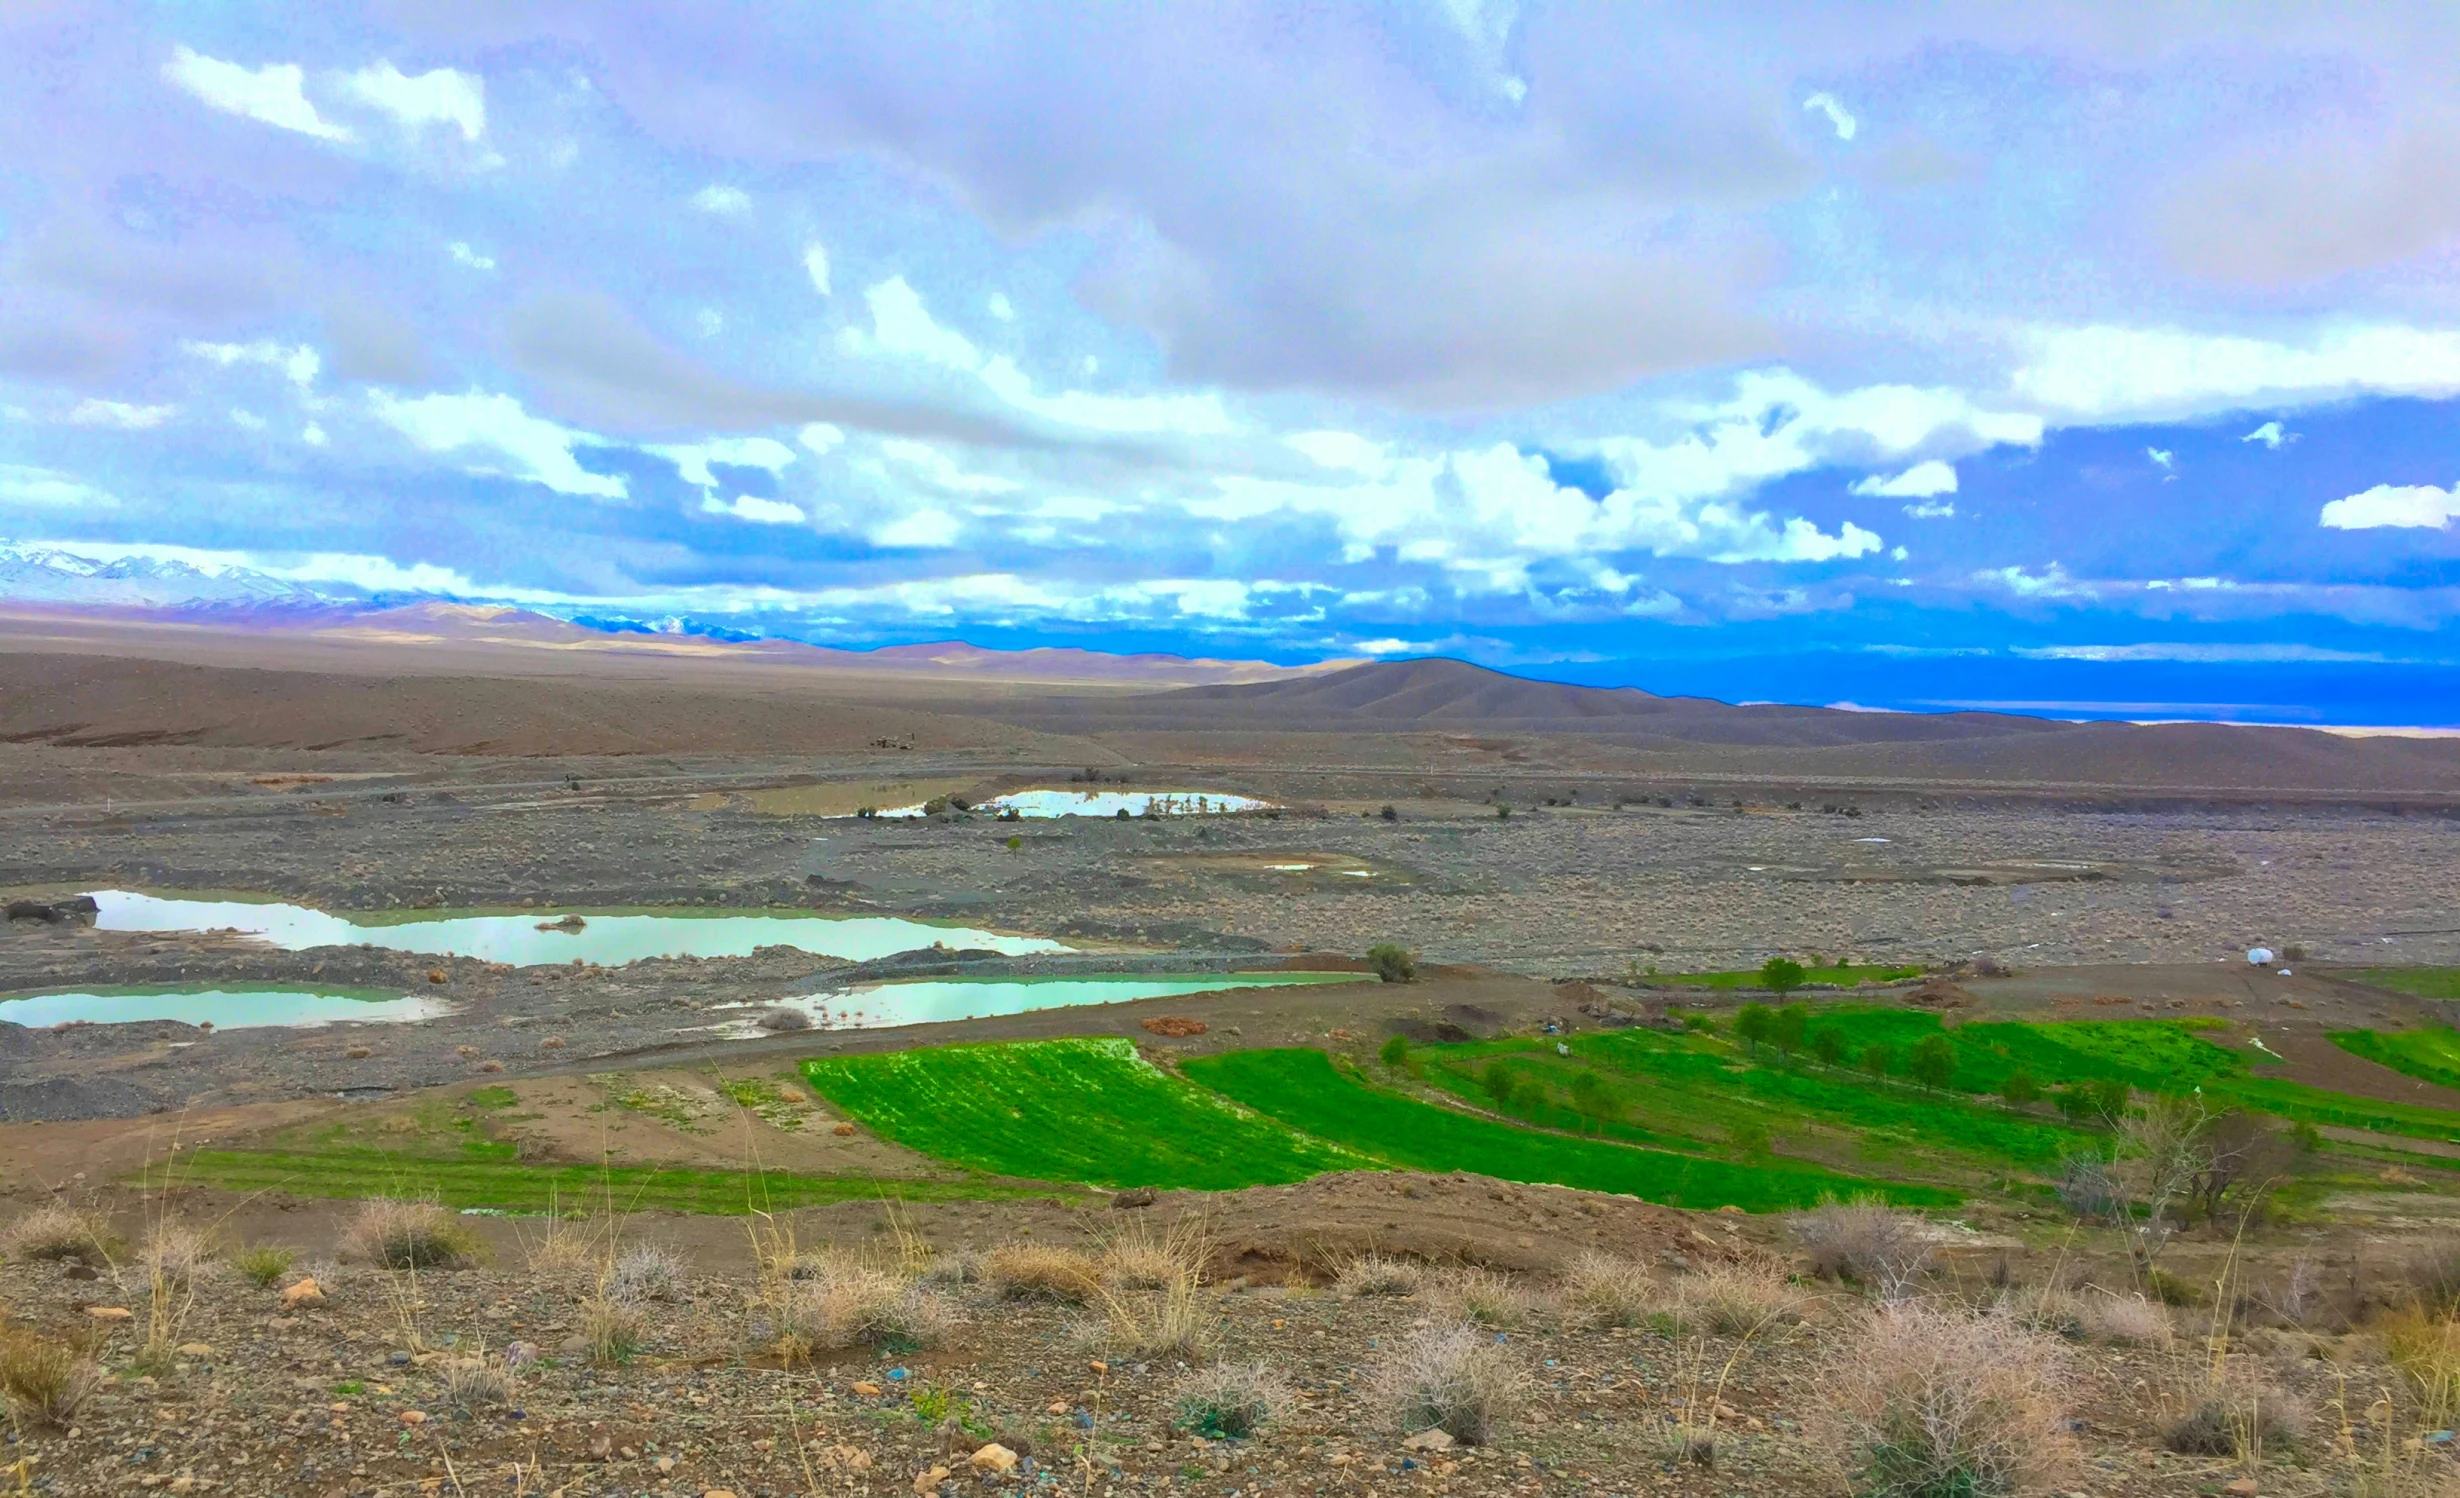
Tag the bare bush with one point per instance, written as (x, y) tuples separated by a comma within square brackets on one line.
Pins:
[(1603, 1290), (1035, 1271), (2434, 1279), (174, 1255), (1867, 1242), (783, 1019), (1733, 1298), (1231, 1401), (46, 1379), (2240, 1423), (2127, 1320), (614, 1330), (410, 1235), (1930, 1400), (841, 1304), (1174, 1317), (1456, 1379), (645, 1271), (1379, 1274), (55, 1231), (565, 1248), (1481, 1297), (477, 1383), (2297, 1298)]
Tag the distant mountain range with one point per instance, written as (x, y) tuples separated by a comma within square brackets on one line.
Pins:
[(39, 576)]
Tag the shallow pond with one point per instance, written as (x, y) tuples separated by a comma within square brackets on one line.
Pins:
[(925, 1001), (1109, 804), (545, 936), (223, 1008)]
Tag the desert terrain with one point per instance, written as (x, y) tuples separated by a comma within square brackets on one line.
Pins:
[(681, 1234)]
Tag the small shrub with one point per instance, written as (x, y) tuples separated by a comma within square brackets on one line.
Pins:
[(1173, 1317), (1865, 1241), (783, 1019), (2434, 1279), (1379, 1274), (2426, 1350), (2239, 1423), (840, 1305), (2086, 1187), (2128, 1320), (565, 1248), (263, 1265), (645, 1271), (1731, 1299), (1933, 1403), (1603, 1290), (1393, 963), (615, 1330), (1135, 1260), (1231, 1402), (2170, 1290), (1394, 1052), (477, 1383), (1033, 1271), (46, 1379), (1781, 975), (410, 1235), (53, 1232), (174, 1254), (1481, 1297), (1456, 1379)]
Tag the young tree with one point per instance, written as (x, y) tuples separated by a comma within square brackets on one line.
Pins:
[(1589, 1096), (1781, 975), (1498, 1082), (2075, 1103), (1752, 1023), (1878, 1058), (2110, 1100), (1394, 1052), (1829, 1046), (1788, 1028), (1393, 963), (2020, 1089), (1932, 1062)]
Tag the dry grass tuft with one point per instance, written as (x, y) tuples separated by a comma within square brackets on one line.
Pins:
[(837, 1304), (263, 1265), (565, 1248), (1930, 1400), (46, 1379), (1379, 1274), (645, 1271), (1603, 1290), (1136, 1260), (1865, 1242), (615, 1330), (54, 1231), (410, 1235), (2240, 1423), (1172, 1318), (2426, 1350), (2126, 1320), (1454, 1378), (1036, 1271), (174, 1255), (1231, 1401), (477, 1383), (1732, 1299), (1481, 1297)]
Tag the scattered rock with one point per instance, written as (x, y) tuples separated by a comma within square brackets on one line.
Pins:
[(110, 1313), (435, 975), (1142, 1196), (867, 1389), (1175, 1026), (927, 1483), (993, 1458), (1433, 1438), (304, 1293)]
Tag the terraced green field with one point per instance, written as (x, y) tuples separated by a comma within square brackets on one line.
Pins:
[(1069, 1110), (2430, 1055), (2425, 982), (1305, 1090)]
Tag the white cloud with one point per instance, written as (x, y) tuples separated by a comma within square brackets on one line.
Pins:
[(299, 362), (2162, 458), (2199, 652), (753, 508), (2269, 434), (1921, 481), (24, 485), (2409, 506), (693, 460), (922, 528), (1002, 308), (440, 96), (375, 574), (820, 437), (1200, 415), (538, 449), (247, 421), (2051, 582), (272, 95), (313, 435), (816, 266), (1838, 116), (2113, 373), (941, 471), (1931, 509), (901, 324), (128, 418), (729, 201), (1343, 450), (709, 321), (463, 255)]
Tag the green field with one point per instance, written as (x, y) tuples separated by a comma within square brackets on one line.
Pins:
[(2425, 982), (1843, 977), (2430, 1055), (1304, 1089), (1068, 1110), (538, 1188)]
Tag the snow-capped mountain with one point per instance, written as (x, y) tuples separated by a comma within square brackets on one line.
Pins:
[(36, 575)]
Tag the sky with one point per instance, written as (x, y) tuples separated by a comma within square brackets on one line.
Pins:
[(2096, 359)]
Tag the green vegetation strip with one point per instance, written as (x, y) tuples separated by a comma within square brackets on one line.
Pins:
[(1069, 1110), (1842, 977), (2430, 1055), (539, 1188), (2425, 982), (1303, 1089)]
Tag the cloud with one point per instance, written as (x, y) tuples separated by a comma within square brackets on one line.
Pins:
[(2112, 374), (440, 96), (1921, 481), (921, 529), (2319, 205), (901, 324), (369, 341), (2412, 506), (725, 201), (1000, 307), (1942, 509), (2269, 434), (755, 509), (299, 363), (21, 484), (463, 255), (2161, 457), (816, 266), (819, 438), (273, 95), (365, 571), (2201, 653), (120, 414), (941, 471), (692, 461), (536, 449), (1842, 121), (2051, 582)]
